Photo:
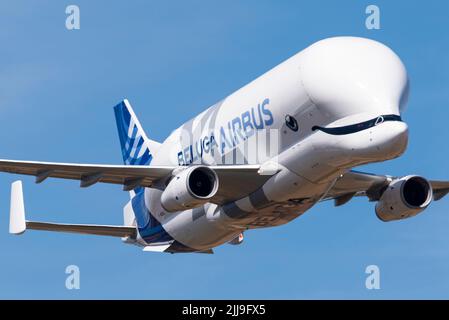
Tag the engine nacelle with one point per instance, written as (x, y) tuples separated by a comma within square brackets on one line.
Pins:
[(404, 198), (190, 188)]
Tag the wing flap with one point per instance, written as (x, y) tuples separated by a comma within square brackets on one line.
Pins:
[(359, 183), (88, 174), (245, 177)]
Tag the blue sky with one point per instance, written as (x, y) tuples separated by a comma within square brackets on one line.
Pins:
[(172, 59)]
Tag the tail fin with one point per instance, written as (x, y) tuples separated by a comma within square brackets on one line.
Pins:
[(137, 149)]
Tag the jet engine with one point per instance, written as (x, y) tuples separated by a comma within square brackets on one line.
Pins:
[(404, 198), (190, 188)]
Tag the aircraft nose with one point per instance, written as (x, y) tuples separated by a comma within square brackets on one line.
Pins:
[(393, 138), (385, 141)]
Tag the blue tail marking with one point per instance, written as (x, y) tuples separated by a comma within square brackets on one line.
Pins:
[(135, 150)]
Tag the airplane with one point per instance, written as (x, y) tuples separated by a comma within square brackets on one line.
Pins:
[(259, 158)]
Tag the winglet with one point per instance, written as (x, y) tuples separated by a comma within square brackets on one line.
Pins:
[(17, 224)]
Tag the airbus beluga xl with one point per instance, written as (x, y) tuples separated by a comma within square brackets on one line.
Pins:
[(259, 158)]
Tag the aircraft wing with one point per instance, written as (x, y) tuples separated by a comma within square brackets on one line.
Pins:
[(89, 174), (247, 177), (354, 183)]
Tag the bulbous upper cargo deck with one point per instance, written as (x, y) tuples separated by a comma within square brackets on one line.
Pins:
[(349, 75), (334, 82)]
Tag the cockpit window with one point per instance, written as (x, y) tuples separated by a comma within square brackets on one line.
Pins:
[(352, 128), (291, 122)]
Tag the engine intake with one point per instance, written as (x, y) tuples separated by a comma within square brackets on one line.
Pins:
[(404, 198), (190, 188)]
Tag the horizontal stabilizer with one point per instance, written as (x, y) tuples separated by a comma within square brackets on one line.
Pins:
[(99, 230), (18, 224)]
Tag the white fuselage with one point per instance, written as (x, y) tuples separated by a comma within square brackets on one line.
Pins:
[(336, 82)]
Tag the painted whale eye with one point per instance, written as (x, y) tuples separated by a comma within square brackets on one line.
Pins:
[(291, 122)]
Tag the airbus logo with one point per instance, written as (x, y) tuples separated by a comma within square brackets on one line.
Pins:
[(238, 129)]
